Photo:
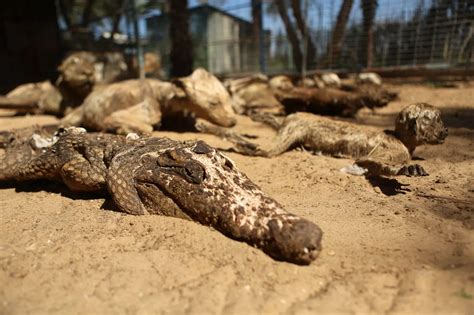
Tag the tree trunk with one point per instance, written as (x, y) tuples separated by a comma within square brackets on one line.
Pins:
[(64, 13), (181, 57), (310, 49), (86, 14), (292, 37), (118, 17), (368, 15), (257, 28), (334, 48)]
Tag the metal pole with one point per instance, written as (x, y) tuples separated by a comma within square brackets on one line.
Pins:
[(417, 35), (261, 46), (399, 38), (452, 35), (319, 33), (139, 50), (305, 41), (258, 33), (433, 32), (331, 13)]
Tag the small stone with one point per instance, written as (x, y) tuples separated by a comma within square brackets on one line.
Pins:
[(31, 247)]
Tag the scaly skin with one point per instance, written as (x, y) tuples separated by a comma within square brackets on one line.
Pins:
[(76, 158), (380, 153), (187, 180)]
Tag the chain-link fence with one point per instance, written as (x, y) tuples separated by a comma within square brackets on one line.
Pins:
[(315, 34), (405, 33)]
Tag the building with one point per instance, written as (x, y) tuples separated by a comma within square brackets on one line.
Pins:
[(222, 42)]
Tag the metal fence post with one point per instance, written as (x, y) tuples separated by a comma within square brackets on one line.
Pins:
[(433, 33), (136, 33), (261, 47), (305, 40)]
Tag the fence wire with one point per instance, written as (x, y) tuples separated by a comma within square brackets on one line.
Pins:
[(403, 33), (436, 33)]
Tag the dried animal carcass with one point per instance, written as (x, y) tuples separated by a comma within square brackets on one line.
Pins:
[(378, 152), (140, 105), (79, 72), (75, 81), (188, 180), (345, 100), (253, 94)]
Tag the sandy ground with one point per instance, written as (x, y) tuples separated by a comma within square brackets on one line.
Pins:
[(386, 250)]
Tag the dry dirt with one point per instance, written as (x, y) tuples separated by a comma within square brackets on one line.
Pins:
[(405, 245)]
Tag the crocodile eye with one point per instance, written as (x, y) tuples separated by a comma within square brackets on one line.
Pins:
[(202, 148), (228, 164)]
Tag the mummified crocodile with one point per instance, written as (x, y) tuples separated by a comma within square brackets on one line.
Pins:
[(187, 180)]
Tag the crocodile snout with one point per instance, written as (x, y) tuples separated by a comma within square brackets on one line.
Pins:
[(296, 241)]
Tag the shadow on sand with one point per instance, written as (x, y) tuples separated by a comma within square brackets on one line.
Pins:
[(388, 186), (51, 187), (458, 117), (453, 208)]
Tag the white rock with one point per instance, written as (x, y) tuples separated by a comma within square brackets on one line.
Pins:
[(281, 82), (354, 169), (132, 136), (331, 79), (369, 77), (43, 142)]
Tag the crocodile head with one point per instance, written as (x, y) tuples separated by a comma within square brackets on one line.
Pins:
[(77, 72), (419, 124), (194, 181), (208, 98)]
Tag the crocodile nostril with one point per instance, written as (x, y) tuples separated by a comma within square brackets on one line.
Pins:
[(146, 159)]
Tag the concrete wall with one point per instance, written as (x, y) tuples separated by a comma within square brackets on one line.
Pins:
[(222, 43)]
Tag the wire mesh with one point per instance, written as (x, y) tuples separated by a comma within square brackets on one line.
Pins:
[(404, 33)]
